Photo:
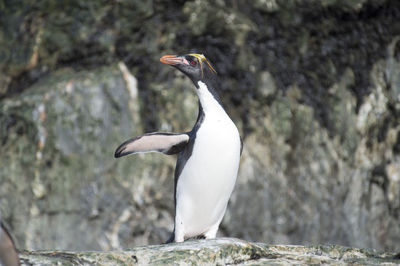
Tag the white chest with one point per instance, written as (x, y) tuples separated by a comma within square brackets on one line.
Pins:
[(209, 175)]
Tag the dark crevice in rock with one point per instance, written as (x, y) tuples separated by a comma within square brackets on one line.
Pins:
[(383, 129), (396, 146), (23, 81), (379, 178)]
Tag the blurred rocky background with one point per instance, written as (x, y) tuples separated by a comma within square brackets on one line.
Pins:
[(314, 87)]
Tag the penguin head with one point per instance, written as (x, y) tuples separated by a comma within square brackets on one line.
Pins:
[(195, 66)]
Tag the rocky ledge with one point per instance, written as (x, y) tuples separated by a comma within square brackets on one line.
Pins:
[(223, 251)]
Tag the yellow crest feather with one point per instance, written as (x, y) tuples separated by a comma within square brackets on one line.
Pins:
[(202, 58)]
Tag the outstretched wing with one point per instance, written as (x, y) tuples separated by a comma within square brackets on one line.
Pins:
[(167, 143)]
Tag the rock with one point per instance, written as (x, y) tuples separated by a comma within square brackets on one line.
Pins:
[(312, 85), (61, 136), (306, 184), (224, 251)]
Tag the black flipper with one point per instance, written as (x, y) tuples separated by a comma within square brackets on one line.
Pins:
[(167, 143)]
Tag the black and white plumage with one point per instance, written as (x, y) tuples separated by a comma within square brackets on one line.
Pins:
[(208, 155)]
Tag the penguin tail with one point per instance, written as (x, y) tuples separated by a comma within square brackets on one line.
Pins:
[(171, 239)]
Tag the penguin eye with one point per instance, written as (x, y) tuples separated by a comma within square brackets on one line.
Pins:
[(193, 63)]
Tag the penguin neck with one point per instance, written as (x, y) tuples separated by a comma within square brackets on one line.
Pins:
[(209, 99)]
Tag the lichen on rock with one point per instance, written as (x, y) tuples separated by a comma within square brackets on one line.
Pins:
[(224, 251), (312, 85)]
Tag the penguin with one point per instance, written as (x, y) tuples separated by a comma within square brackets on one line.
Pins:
[(8, 253), (208, 155)]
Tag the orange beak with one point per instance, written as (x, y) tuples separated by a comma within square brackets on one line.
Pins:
[(172, 60)]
